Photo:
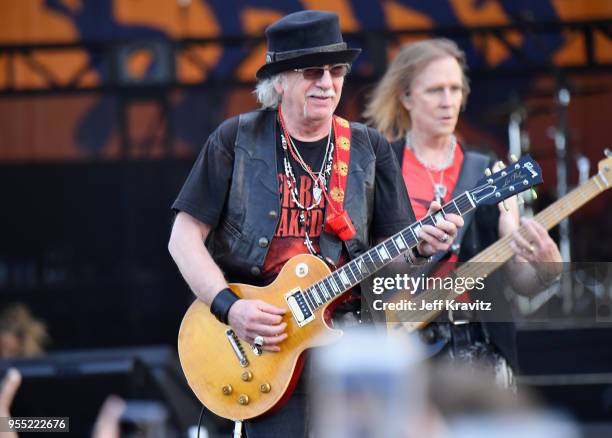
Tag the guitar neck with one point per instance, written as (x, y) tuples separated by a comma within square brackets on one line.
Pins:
[(370, 262), (500, 252)]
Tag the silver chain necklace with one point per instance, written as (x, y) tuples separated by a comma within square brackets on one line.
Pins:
[(319, 180), (292, 184), (445, 165), (321, 176), (440, 190)]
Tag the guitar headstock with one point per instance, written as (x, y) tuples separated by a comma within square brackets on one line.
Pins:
[(507, 182)]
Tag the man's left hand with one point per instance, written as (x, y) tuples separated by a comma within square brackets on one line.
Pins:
[(538, 248)]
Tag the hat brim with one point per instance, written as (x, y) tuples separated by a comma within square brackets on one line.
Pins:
[(309, 60)]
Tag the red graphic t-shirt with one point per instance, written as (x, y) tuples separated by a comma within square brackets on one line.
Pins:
[(289, 238)]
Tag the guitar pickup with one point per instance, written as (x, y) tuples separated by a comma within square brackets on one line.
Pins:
[(299, 307)]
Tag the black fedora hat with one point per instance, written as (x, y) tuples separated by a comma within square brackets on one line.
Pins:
[(305, 39)]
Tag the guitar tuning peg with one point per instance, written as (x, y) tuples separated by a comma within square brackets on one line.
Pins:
[(520, 199), (499, 165), (487, 172), (513, 158), (534, 194), (505, 206)]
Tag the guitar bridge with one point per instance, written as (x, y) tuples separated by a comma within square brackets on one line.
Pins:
[(299, 307), (237, 347)]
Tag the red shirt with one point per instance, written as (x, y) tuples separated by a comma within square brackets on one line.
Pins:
[(419, 184), (421, 192)]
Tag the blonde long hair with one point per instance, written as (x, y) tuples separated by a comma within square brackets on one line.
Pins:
[(384, 110)]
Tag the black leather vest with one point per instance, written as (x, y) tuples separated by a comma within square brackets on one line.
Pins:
[(251, 213)]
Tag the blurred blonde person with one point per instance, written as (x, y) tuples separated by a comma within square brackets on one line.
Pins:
[(21, 335)]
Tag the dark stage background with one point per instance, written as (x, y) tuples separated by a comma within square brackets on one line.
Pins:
[(105, 104)]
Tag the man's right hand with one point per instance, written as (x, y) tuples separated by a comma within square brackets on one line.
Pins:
[(252, 318)]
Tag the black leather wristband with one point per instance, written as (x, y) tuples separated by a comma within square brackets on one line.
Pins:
[(221, 304)]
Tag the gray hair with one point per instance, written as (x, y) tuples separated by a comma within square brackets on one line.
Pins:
[(265, 92)]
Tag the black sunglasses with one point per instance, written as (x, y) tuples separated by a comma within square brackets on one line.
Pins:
[(316, 73)]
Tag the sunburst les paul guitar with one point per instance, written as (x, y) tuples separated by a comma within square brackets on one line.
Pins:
[(237, 381), (500, 252)]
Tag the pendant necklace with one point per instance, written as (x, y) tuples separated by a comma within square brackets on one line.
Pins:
[(320, 177), (440, 190), (292, 184)]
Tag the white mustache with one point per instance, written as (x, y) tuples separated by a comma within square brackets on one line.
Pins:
[(321, 93)]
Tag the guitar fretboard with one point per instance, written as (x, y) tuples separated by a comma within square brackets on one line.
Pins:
[(358, 269)]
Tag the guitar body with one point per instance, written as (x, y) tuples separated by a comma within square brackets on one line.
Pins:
[(210, 363)]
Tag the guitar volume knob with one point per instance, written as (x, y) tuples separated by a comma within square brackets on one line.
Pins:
[(265, 388), (227, 389), (243, 399), (247, 376)]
